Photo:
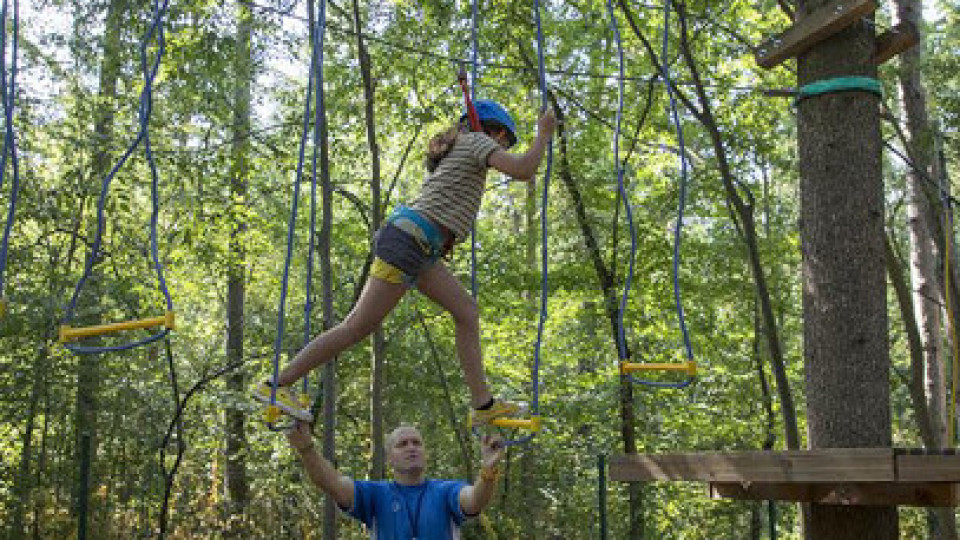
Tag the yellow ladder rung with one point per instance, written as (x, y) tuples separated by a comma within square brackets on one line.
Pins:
[(68, 333), (689, 367), (530, 424)]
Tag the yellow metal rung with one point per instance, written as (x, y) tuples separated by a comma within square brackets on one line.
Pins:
[(530, 424), (68, 333), (689, 367)]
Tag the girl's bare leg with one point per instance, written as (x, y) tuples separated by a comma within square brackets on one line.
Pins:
[(441, 286), (378, 298)]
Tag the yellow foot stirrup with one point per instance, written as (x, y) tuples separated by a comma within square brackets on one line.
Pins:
[(532, 424), (68, 333), (689, 367), (272, 414)]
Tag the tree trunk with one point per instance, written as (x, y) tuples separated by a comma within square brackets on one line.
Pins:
[(922, 201), (88, 365), (23, 487), (376, 372), (528, 459), (607, 282), (235, 481), (844, 286), (329, 387)]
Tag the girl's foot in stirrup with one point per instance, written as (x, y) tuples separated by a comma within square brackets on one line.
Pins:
[(498, 409), (286, 401)]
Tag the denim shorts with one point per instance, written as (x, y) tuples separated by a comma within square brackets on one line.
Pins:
[(408, 243)]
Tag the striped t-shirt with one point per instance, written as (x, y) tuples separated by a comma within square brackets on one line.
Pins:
[(451, 194)]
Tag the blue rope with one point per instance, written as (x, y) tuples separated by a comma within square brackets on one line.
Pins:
[(674, 115), (621, 338), (474, 290), (544, 285), (316, 72), (8, 94), (149, 69)]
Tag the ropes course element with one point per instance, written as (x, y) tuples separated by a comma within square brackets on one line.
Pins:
[(69, 334), (534, 422), (628, 368), (544, 288), (315, 91), (8, 90), (474, 126)]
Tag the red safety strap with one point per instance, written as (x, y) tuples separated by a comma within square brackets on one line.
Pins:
[(471, 110)]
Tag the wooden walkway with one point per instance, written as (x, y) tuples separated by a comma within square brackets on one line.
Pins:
[(850, 476)]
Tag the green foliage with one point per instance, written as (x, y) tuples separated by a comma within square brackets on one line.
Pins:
[(552, 482)]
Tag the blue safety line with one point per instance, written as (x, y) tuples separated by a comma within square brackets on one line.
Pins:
[(144, 111), (474, 289), (674, 115), (8, 94), (544, 286), (318, 36), (316, 72), (621, 338)]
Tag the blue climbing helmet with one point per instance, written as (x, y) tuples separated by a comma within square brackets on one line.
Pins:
[(492, 112)]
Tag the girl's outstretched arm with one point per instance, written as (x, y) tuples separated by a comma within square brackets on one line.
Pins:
[(524, 166)]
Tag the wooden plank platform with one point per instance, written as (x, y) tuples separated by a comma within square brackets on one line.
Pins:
[(850, 476), (894, 41), (819, 25), (850, 465), (860, 494)]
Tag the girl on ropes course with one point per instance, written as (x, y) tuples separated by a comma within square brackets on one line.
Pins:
[(409, 247)]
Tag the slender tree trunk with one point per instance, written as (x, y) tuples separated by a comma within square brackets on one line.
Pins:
[(88, 366), (329, 393), (925, 278), (528, 458), (921, 204), (235, 481), (22, 488), (376, 375), (844, 286), (607, 282)]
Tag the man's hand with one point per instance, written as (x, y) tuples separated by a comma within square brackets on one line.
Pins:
[(491, 451), (299, 436)]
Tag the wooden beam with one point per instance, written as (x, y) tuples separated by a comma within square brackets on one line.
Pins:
[(825, 465), (894, 41), (928, 468), (812, 29), (871, 494)]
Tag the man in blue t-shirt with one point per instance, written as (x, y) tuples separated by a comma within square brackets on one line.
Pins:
[(410, 507)]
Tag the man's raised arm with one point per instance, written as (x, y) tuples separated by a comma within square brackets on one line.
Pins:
[(473, 499), (321, 471)]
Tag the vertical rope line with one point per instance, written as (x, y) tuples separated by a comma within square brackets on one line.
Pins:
[(544, 103), (621, 337), (474, 289), (318, 37), (292, 225), (8, 95), (674, 116)]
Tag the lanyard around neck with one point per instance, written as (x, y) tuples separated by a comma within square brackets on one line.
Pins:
[(412, 517)]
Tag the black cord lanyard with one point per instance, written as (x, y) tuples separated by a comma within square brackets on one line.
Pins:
[(412, 517)]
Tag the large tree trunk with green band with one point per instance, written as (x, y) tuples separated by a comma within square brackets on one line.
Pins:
[(846, 348)]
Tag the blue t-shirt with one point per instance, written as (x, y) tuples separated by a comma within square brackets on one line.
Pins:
[(429, 511)]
